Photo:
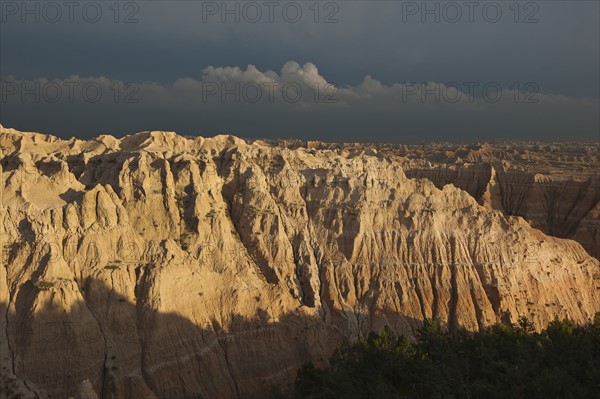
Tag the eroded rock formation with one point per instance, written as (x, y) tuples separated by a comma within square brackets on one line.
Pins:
[(160, 266), (561, 206)]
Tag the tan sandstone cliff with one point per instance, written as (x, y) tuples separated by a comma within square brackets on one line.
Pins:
[(160, 266)]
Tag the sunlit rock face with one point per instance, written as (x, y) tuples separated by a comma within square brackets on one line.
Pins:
[(160, 266), (561, 206)]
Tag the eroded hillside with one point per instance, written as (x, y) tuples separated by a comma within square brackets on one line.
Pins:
[(162, 266)]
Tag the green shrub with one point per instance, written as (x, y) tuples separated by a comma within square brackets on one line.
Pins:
[(111, 266), (504, 361), (43, 285)]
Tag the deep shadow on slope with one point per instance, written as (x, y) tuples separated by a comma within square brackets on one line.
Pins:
[(130, 350)]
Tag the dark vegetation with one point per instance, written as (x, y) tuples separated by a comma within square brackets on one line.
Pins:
[(563, 361)]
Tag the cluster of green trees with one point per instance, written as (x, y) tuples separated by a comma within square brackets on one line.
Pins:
[(563, 361)]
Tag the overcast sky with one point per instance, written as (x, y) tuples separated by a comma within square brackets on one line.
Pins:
[(336, 71)]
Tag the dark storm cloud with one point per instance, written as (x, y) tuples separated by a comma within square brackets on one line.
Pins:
[(552, 44)]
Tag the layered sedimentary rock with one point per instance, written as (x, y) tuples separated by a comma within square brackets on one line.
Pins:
[(160, 266), (561, 206)]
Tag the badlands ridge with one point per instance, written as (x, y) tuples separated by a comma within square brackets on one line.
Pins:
[(161, 266)]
